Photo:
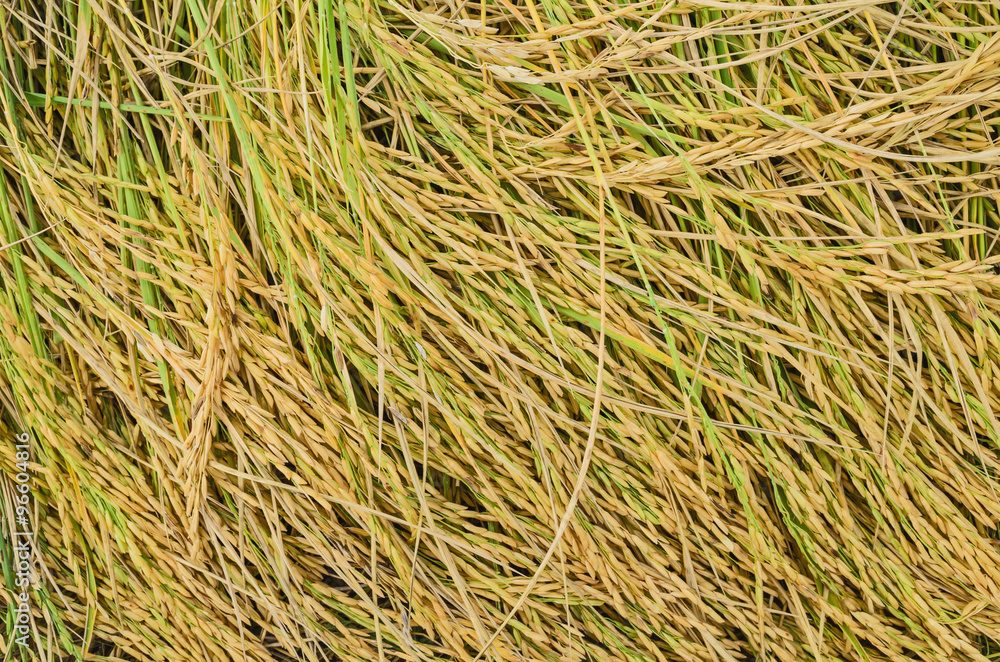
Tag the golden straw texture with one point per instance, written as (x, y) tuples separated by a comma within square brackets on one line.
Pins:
[(521, 330)]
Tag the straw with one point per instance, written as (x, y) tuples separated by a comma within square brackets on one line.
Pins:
[(522, 330)]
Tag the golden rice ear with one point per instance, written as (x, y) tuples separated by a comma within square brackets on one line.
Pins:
[(522, 330)]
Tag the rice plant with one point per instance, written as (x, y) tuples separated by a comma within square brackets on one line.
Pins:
[(520, 330)]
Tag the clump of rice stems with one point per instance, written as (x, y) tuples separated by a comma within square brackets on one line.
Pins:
[(526, 330)]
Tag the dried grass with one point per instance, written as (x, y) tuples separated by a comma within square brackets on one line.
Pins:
[(520, 329)]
